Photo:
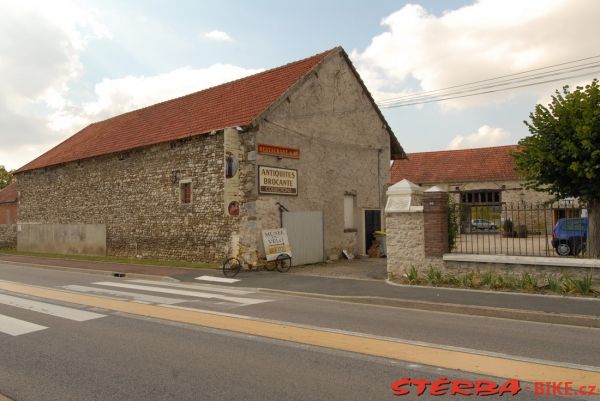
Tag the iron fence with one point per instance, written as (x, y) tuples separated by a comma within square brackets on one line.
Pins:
[(518, 229)]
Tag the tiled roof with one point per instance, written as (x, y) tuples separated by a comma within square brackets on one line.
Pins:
[(449, 166), (235, 103), (9, 193)]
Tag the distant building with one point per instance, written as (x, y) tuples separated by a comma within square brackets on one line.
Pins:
[(302, 145), (472, 176), (8, 204)]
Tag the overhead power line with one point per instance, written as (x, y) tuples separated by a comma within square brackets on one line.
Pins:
[(499, 84)]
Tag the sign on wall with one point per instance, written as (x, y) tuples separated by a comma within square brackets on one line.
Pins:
[(280, 151), (233, 155), (276, 243), (277, 181)]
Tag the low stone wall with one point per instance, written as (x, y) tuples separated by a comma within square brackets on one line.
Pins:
[(8, 235), (538, 267), (84, 239)]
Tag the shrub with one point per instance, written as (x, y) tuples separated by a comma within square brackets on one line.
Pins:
[(554, 283), (584, 286), (412, 275), (434, 276)]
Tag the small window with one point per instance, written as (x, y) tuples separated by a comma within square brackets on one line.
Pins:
[(349, 211), (185, 191)]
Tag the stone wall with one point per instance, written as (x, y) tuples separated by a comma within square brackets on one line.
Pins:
[(344, 149), (8, 235), (136, 195), (538, 271)]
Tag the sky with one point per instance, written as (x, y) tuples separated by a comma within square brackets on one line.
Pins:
[(66, 64)]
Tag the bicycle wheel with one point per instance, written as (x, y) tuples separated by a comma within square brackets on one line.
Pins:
[(283, 262), (270, 266), (231, 267)]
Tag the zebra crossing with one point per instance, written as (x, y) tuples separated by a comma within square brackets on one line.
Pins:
[(15, 327), (140, 291)]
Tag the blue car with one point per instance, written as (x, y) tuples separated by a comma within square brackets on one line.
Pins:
[(569, 236)]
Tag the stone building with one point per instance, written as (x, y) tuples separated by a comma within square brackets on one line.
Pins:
[(485, 181), (8, 204), (481, 175), (193, 177)]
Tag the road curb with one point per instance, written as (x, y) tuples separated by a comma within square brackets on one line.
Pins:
[(93, 271), (483, 311)]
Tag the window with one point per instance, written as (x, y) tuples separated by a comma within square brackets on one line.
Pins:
[(349, 211), (185, 192), (489, 196)]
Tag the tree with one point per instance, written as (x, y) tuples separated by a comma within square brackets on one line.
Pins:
[(562, 154), (6, 177)]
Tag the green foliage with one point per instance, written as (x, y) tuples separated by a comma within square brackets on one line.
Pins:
[(487, 278), (6, 177), (562, 154), (453, 224), (553, 283), (567, 284), (584, 285), (412, 275), (434, 276), (527, 281)]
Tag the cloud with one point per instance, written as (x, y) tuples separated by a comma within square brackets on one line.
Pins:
[(484, 137), (422, 51), (41, 60), (40, 56), (218, 36)]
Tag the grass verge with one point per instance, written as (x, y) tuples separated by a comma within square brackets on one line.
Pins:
[(115, 259)]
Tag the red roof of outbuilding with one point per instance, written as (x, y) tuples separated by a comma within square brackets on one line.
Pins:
[(9, 193), (449, 166), (235, 103)]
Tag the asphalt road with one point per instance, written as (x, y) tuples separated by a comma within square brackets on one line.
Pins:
[(112, 355)]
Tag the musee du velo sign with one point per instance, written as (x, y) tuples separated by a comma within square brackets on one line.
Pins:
[(276, 243), (277, 181)]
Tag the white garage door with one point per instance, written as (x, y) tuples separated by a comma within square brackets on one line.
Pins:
[(305, 233)]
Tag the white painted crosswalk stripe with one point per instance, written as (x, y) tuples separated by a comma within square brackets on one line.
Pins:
[(145, 298), (217, 279), (77, 315), (200, 287), (16, 327), (175, 291)]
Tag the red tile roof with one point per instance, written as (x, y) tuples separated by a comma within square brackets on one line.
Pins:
[(9, 193), (449, 166), (235, 103)]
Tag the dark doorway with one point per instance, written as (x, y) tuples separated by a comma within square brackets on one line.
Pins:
[(372, 224)]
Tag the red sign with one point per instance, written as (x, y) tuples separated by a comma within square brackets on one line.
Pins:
[(278, 151)]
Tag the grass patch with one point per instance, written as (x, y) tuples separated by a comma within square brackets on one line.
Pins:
[(115, 259)]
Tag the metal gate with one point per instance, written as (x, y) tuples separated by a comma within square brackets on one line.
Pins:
[(305, 233)]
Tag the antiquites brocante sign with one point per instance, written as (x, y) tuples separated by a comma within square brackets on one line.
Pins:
[(277, 181)]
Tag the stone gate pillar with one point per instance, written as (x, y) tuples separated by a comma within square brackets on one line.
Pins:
[(404, 227)]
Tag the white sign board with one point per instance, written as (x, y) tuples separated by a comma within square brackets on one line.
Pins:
[(276, 243)]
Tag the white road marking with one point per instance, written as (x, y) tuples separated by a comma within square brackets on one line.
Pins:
[(143, 298), (15, 327), (217, 279), (195, 294), (210, 288), (49, 309)]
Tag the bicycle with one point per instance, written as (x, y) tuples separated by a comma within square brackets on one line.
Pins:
[(232, 265)]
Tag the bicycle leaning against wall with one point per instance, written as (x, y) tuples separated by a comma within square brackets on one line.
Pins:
[(232, 266)]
